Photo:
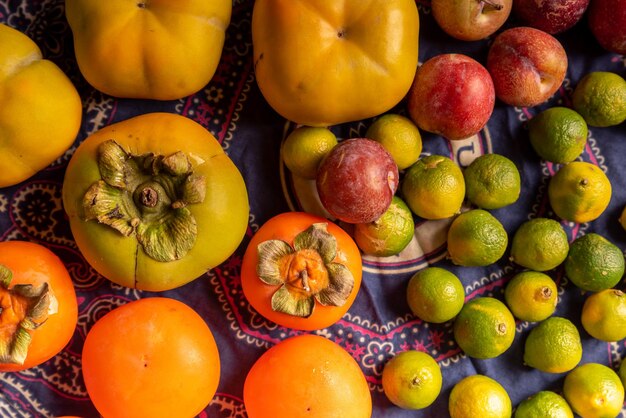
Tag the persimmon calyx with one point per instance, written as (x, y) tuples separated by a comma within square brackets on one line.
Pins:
[(23, 308), (306, 272), (146, 196)]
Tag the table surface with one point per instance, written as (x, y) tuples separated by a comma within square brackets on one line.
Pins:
[(380, 323)]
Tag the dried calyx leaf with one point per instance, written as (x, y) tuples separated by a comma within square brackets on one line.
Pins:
[(146, 196), (23, 308), (305, 272)]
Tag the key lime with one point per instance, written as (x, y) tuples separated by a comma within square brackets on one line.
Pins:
[(476, 238), (604, 315), (531, 296), (485, 328), (305, 147), (553, 346), (479, 396), (435, 295), (558, 134), (600, 97), (594, 263), (594, 390), (389, 234), (412, 379), (579, 192), (492, 181), (434, 187), (399, 136), (539, 244), (544, 404)]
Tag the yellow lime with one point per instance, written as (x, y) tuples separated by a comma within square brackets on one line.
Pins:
[(492, 181), (622, 218), (544, 404), (412, 379), (305, 147), (594, 390), (558, 134), (435, 295), (485, 328), (434, 188), (389, 234), (539, 244), (531, 296), (479, 396), (594, 263), (604, 315), (476, 238), (399, 136), (600, 97), (579, 192), (553, 346)]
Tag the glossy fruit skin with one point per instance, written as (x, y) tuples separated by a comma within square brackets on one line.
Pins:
[(286, 226), (452, 95), (306, 376), (37, 100), (357, 180), (148, 49), (151, 357), (321, 65), (34, 264), (222, 217)]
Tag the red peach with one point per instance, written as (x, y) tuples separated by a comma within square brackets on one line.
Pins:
[(607, 21), (551, 16), (452, 95), (527, 66)]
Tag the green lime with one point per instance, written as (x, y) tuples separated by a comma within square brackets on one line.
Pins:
[(412, 379), (305, 147), (531, 296), (539, 244), (492, 181), (558, 134), (434, 188), (604, 315), (476, 238), (435, 295), (594, 263), (579, 192), (544, 404), (389, 234), (600, 97), (594, 390), (485, 328), (479, 396), (399, 136), (553, 346)]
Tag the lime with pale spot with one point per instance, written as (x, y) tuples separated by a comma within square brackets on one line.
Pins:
[(389, 234)]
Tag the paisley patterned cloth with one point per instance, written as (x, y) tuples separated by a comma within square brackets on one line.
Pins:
[(380, 324)]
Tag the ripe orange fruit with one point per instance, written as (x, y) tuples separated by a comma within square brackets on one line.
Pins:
[(306, 376), (153, 357)]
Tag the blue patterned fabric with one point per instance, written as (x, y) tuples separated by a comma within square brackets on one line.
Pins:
[(380, 323)]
